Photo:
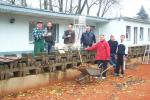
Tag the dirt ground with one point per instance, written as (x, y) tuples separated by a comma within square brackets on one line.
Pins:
[(134, 86)]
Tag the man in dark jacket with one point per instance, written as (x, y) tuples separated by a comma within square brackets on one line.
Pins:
[(69, 37), (88, 38), (113, 47), (49, 36)]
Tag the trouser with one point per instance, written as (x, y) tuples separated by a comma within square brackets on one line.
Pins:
[(87, 45), (113, 60), (103, 67), (38, 46), (48, 46), (120, 62)]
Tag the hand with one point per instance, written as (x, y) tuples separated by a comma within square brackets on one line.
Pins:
[(85, 49), (115, 56), (125, 58), (69, 36)]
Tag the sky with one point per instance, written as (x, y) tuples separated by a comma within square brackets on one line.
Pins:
[(127, 8), (131, 7)]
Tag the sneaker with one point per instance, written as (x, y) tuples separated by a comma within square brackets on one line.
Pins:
[(121, 75), (116, 75), (103, 78), (114, 65)]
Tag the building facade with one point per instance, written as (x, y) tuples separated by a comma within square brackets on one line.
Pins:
[(17, 23)]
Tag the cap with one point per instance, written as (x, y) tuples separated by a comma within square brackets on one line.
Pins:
[(39, 22)]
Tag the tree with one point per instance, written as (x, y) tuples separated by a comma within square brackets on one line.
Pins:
[(60, 2), (12, 2), (142, 14), (24, 3), (45, 4), (90, 5), (105, 6), (40, 4), (50, 5), (81, 6)]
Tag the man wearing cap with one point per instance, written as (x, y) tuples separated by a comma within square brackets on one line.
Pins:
[(38, 34)]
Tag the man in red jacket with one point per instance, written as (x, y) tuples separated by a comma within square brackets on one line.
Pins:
[(102, 53)]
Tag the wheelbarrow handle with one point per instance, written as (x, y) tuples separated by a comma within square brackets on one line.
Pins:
[(105, 70)]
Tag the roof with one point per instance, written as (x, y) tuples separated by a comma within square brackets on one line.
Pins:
[(7, 8), (135, 19)]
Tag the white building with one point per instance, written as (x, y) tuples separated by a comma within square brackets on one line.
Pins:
[(16, 36), (137, 31)]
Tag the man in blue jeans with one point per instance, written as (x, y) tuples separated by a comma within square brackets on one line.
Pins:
[(113, 48)]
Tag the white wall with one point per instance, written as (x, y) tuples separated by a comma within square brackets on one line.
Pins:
[(114, 27), (118, 27), (15, 36), (145, 34)]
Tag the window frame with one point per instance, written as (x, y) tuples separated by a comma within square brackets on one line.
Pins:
[(30, 39), (141, 35), (128, 38)]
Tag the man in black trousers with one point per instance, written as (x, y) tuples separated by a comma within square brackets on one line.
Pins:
[(122, 52)]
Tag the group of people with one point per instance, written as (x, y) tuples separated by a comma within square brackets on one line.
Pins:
[(106, 51), (43, 37), (112, 52)]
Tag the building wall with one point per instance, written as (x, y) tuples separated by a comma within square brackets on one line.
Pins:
[(114, 27), (15, 36), (118, 27), (138, 25)]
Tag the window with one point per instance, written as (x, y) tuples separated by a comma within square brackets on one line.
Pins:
[(135, 35), (128, 33), (148, 34), (141, 33), (32, 25)]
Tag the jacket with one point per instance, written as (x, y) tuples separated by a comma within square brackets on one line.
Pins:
[(102, 50), (49, 36), (122, 49), (113, 46), (88, 38), (69, 37)]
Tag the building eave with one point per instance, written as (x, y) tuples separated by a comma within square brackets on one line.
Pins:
[(12, 9), (131, 19)]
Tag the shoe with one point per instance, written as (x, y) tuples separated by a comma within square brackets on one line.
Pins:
[(121, 75), (103, 78), (114, 65), (116, 75)]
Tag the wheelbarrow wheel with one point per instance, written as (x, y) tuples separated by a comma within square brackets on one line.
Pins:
[(82, 79)]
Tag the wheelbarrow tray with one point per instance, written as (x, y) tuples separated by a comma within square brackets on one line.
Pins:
[(90, 71)]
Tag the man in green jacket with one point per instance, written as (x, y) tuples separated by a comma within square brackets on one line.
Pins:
[(38, 34)]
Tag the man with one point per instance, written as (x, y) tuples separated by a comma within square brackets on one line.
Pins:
[(113, 47), (49, 36), (69, 37), (38, 34), (88, 37), (122, 52), (102, 53)]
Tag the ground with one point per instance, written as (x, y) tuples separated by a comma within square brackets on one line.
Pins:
[(134, 86)]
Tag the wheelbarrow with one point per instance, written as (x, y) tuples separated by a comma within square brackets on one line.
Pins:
[(88, 73)]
